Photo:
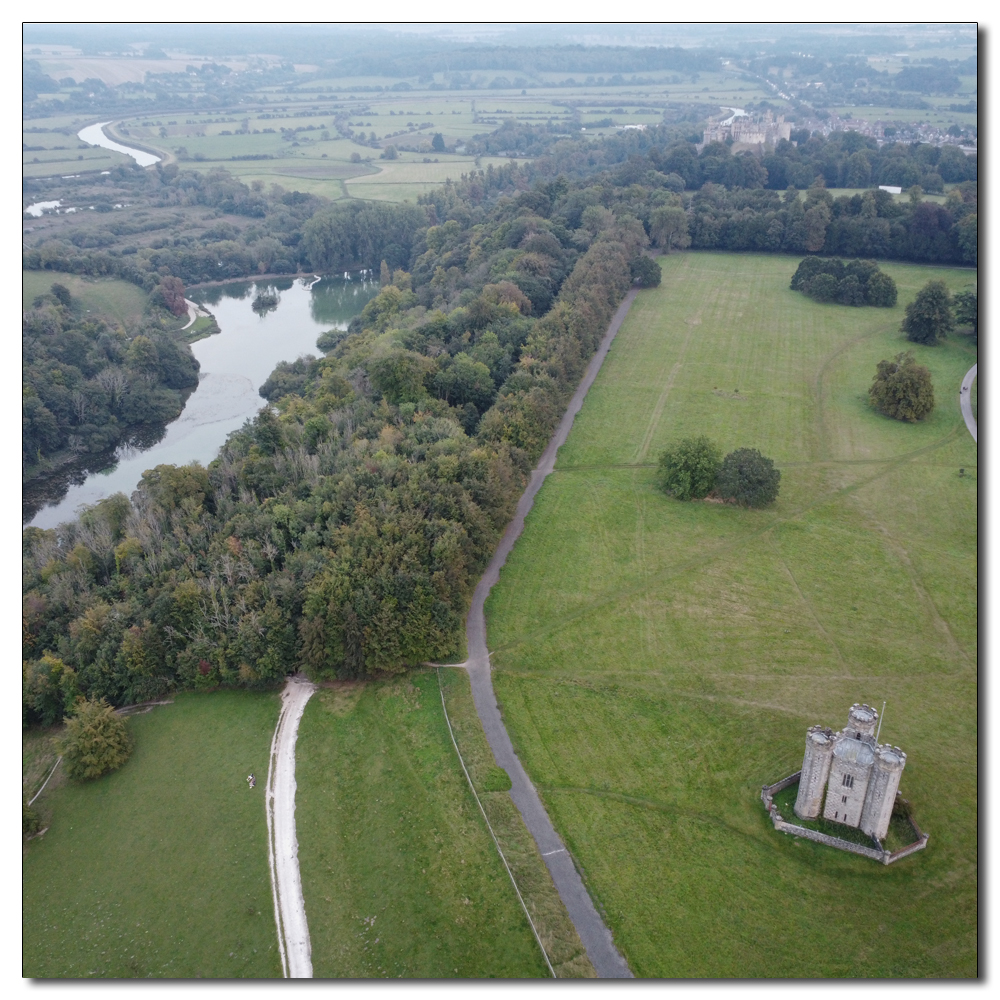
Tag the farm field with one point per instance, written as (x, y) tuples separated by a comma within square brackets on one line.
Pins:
[(657, 662), (399, 873), (248, 141), (159, 869), (118, 301)]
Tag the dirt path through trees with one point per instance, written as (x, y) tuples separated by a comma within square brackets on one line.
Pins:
[(282, 843), (593, 932)]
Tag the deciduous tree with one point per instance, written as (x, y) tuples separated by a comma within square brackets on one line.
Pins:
[(748, 478), (902, 389), (929, 316), (669, 228), (688, 469), (96, 740), (646, 273), (967, 311)]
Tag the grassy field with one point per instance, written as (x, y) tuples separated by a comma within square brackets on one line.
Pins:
[(657, 661), (159, 869), (400, 876), (118, 301)]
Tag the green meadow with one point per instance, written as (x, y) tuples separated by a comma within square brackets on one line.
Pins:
[(399, 873), (115, 300), (657, 662), (158, 869)]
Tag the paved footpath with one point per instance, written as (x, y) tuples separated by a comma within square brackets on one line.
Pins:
[(595, 936), (965, 402), (282, 843)]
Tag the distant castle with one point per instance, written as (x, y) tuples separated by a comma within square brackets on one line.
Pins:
[(859, 776), (750, 130)]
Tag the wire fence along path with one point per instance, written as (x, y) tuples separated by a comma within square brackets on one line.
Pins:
[(496, 842), (594, 934), (282, 844)]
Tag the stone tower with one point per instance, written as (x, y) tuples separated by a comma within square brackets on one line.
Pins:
[(848, 777), (861, 720), (849, 774), (815, 771), (888, 766)]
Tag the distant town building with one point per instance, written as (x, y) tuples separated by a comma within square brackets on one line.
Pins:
[(749, 130), (858, 776)]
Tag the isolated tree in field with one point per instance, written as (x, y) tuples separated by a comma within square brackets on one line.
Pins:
[(748, 478), (967, 311), (96, 740), (669, 228), (437, 143), (688, 469), (646, 273), (902, 389), (929, 316)]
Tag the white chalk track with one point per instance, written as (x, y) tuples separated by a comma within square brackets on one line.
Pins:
[(282, 843)]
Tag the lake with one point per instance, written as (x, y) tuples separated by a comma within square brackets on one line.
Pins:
[(234, 364)]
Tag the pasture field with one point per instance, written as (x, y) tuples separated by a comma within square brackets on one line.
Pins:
[(657, 662), (399, 873), (158, 869), (118, 301)]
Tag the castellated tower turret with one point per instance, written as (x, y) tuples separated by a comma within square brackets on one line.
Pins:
[(815, 771), (861, 721), (881, 794)]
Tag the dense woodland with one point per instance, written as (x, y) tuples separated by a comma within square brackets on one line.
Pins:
[(345, 531), (344, 528), (88, 386)]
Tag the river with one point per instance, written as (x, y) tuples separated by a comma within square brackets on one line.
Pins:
[(234, 364), (94, 134)]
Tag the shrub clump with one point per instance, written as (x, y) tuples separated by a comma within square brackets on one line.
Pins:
[(688, 468), (902, 389), (748, 478), (856, 283), (96, 740)]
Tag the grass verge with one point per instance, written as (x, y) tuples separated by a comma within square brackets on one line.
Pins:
[(160, 869), (399, 873), (562, 943)]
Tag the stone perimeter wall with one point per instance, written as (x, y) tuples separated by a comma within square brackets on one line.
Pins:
[(886, 857)]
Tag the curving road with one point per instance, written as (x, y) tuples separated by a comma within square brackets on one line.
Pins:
[(965, 402), (282, 844), (595, 936)]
